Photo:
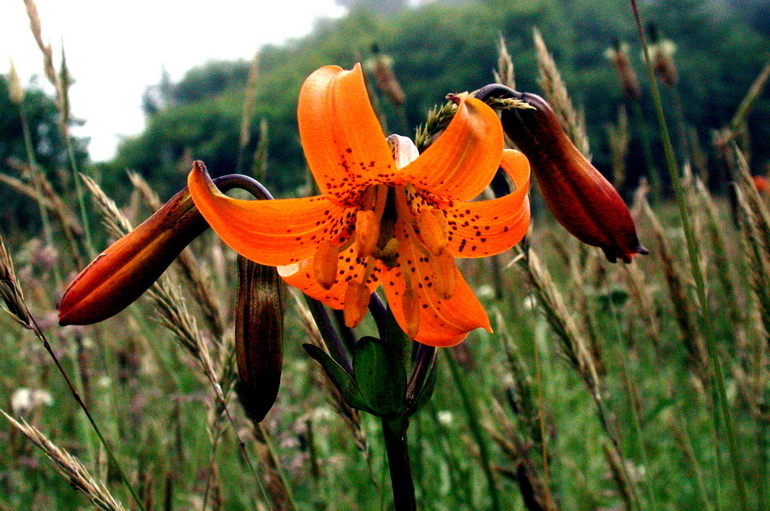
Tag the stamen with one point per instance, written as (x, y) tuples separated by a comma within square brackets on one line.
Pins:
[(357, 298), (367, 232), (369, 220), (410, 304), (433, 229), (325, 264), (444, 274), (388, 253), (404, 212)]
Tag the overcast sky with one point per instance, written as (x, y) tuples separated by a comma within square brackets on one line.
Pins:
[(116, 49)]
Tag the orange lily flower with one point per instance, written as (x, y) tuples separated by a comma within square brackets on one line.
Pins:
[(387, 215)]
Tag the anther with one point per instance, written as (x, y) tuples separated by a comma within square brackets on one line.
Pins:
[(325, 264), (444, 274), (433, 229), (357, 297), (367, 232), (410, 304)]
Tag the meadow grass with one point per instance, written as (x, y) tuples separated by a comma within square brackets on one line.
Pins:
[(545, 422), (599, 388)]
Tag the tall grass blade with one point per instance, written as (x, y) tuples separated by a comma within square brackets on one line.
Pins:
[(721, 406)]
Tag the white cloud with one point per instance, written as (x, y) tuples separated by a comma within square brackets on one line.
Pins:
[(115, 49)]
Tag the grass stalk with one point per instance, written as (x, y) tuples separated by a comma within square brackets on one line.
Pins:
[(476, 429), (14, 299), (641, 130), (457, 482), (542, 424), (700, 285), (70, 467), (79, 400), (632, 391)]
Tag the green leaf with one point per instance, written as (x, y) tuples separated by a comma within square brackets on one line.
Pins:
[(380, 375), (342, 380)]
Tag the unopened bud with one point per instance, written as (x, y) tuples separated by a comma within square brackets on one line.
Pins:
[(578, 195), (123, 272), (258, 336)]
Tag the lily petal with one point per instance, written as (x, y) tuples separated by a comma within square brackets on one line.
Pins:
[(274, 232), (443, 322), (349, 268), (463, 160), (341, 136), (485, 228)]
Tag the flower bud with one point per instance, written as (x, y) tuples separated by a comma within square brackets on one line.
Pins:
[(578, 195), (124, 271), (258, 336)]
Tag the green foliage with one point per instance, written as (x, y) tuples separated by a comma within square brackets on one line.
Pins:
[(42, 118), (450, 47), (47, 146)]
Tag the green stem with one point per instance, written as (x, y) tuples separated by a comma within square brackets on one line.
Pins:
[(692, 249), (634, 412), (476, 430), (394, 432)]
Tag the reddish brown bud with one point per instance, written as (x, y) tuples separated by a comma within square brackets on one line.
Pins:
[(258, 336), (128, 268), (580, 198), (124, 271)]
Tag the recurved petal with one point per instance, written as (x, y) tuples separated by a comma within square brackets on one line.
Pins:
[(463, 160), (485, 228), (341, 136), (269, 232), (349, 267), (443, 322)]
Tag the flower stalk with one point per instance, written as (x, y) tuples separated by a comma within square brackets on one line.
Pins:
[(394, 432)]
